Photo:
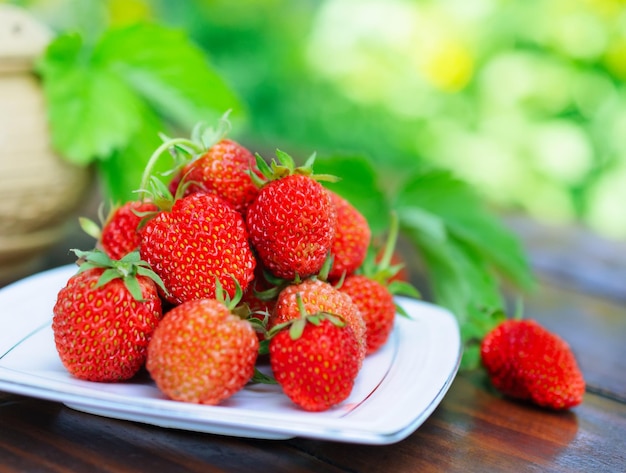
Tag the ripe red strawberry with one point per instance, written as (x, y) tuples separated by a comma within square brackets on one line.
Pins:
[(202, 238), (525, 361), (120, 232), (372, 290), (319, 296), (292, 220), (316, 364), (104, 317), (202, 353), (376, 305), (352, 238), (224, 169)]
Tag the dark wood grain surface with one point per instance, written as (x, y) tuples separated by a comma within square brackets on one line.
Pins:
[(472, 430)]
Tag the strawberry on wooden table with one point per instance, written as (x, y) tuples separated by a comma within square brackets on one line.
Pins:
[(105, 316), (201, 352), (292, 219), (527, 362), (315, 359)]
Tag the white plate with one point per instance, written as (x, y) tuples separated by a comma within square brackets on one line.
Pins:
[(395, 392)]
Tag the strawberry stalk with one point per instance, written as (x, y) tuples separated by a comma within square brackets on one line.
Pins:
[(127, 269), (170, 144), (296, 326), (383, 271), (202, 138), (284, 165)]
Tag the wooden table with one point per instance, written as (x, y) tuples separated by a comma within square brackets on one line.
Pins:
[(473, 429)]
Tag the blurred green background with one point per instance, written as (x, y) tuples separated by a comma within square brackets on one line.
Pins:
[(523, 99)]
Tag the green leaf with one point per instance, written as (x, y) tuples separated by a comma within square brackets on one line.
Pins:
[(262, 378), (438, 193), (423, 221), (107, 276), (90, 227), (286, 160), (479, 323), (403, 288), (462, 281), (97, 257), (446, 278), (264, 347), (108, 101), (467, 251), (121, 173), (91, 110), (146, 272), (360, 185), (297, 328), (173, 74), (133, 287)]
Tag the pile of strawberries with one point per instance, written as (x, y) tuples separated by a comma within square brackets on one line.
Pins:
[(236, 261)]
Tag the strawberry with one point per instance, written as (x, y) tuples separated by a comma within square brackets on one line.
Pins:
[(207, 162), (525, 361), (224, 170), (119, 234), (316, 361), (202, 237), (376, 305), (292, 220), (202, 353), (319, 296), (372, 290), (352, 238), (105, 316)]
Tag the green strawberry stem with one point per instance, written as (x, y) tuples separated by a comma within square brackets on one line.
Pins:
[(167, 145), (90, 227), (261, 378), (209, 136), (325, 269), (127, 269), (202, 139), (222, 295), (296, 326), (390, 244), (284, 166), (382, 271)]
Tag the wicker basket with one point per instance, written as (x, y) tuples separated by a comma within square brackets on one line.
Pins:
[(38, 190)]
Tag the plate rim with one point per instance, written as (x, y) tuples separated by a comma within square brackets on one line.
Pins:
[(232, 421)]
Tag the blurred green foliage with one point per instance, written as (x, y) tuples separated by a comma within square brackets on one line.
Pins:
[(525, 100)]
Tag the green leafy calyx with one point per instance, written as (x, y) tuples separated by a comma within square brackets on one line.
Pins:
[(297, 325), (284, 165), (128, 269)]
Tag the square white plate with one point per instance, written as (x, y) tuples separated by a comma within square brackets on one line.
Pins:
[(397, 389)]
